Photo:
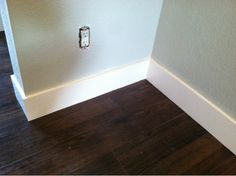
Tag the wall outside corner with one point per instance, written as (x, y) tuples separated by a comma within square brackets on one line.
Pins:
[(10, 41)]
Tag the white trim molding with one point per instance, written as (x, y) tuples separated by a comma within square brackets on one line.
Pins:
[(208, 115), (54, 99)]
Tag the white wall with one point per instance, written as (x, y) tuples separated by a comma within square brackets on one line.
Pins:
[(46, 37)]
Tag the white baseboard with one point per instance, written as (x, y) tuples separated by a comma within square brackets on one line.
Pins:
[(208, 115), (48, 101)]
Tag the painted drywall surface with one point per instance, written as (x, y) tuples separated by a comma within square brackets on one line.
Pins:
[(10, 41), (46, 37), (196, 41), (1, 25)]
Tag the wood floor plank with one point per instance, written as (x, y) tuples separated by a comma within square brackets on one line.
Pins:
[(186, 157), (164, 141), (220, 159)]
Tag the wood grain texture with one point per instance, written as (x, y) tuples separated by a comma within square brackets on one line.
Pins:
[(134, 130)]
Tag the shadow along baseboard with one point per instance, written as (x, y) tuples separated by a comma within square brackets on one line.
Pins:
[(2, 34)]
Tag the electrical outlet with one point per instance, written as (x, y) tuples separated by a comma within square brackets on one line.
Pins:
[(84, 37)]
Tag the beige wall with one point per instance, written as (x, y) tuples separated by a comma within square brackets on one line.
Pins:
[(1, 25), (46, 37), (196, 40)]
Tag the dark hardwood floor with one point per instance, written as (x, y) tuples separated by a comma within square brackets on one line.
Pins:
[(134, 130)]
